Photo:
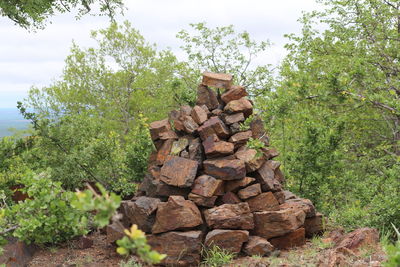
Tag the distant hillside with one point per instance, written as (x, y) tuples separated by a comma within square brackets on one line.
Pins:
[(11, 118)]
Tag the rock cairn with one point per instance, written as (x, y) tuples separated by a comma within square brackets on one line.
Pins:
[(206, 187)]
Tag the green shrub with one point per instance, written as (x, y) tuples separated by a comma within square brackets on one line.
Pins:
[(47, 217), (256, 144), (104, 205)]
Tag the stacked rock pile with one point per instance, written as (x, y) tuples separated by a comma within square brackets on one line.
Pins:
[(207, 185)]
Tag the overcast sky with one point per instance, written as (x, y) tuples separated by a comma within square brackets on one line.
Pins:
[(36, 59)]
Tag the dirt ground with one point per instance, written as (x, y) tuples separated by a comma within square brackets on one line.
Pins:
[(314, 253), (71, 254)]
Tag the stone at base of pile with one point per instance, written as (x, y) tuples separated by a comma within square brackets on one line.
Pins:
[(182, 248)]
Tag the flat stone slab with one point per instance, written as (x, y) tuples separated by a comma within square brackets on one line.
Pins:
[(230, 240), (238, 184), (159, 127), (270, 224), (175, 214), (258, 246), (218, 80), (182, 248), (225, 169), (294, 239), (236, 92), (207, 186), (230, 216), (250, 191), (242, 105), (213, 126), (263, 202), (141, 212), (182, 178)]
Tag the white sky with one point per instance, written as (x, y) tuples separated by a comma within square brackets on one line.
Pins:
[(36, 59)]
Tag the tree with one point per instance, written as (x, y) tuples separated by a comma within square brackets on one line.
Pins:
[(91, 124), (34, 14), (221, 49), (338, 105)]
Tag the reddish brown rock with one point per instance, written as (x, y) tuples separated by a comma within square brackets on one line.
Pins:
[(252, 159), (207, 186), (175, 119), (16, 253), (178, 124), (294, 239), (168, 135), (189, 125), (215, 148), (206, 110), (218, 80), (234, 128), (300, 204), (266, 176), (279, 176), (206, 96), (250, 191), (258, 246), (225, 169), (184, 154), (230, 216), (182, 178), (230, 240), (314, 225), (235, 93), (202, 201), (270, 224), (141, 212), (275, 166), (199, 115), (175, 214), (163, 152), (159, 127), (258, 130), (263, 202), (153, 187), (240, 138), (270, 153), (233, 118), (216, 112), (186, 110), (237, 184), (114, 231), (230, 198), (213, 126), (361, 238), (196, 151), (289, 195), (280, 196), (182, 248), (241, 105)]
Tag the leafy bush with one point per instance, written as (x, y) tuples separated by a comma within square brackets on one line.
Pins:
[(47, 217), (256, 144), (104, 205)]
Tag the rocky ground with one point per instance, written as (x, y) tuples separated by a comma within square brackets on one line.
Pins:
[(359, 248)]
